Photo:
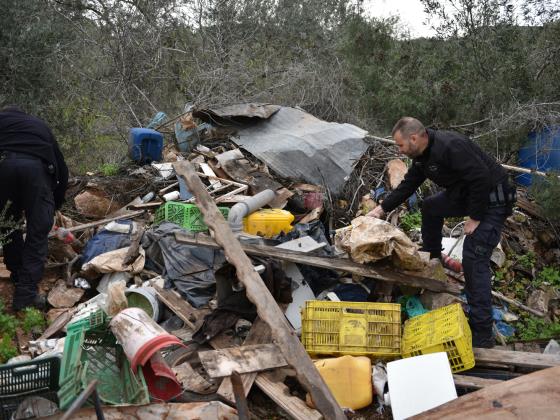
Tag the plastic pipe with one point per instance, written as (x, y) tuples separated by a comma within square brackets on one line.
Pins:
[(240, 210)]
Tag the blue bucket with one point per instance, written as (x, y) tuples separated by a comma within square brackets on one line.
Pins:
[(541, 152)]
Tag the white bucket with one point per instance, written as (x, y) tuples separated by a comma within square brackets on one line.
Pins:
[(140, 336), (145, 298)]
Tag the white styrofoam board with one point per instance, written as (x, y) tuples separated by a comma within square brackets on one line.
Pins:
[(420, 383), (304, 244)]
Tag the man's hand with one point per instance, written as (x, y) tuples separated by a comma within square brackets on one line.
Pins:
[(470, 225), (376, 212)]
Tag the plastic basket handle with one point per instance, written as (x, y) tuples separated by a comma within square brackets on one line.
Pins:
[(350, 310)]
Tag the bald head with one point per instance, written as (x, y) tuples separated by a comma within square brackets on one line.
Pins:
[(408, 126), (410, 136)]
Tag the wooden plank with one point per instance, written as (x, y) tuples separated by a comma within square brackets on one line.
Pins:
[(337, 264), (516, 358), (207, 170), (474, 382), (191, 380), (191, 316), (151, 204), (533, 209), (243, 359), (533, 396), (133, 248), (280, 394), (256, 291), (102, 222), (158, 411), (515, 302), (259, 334)]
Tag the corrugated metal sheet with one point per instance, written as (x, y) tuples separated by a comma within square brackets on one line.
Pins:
[(299, 146), (239, 113)]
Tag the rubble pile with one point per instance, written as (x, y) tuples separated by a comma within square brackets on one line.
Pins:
[(236, 255)]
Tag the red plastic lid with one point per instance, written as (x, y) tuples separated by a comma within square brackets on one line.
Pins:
[(148, 349)]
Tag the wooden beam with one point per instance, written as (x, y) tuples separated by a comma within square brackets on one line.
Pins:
[(474, 382), (533, 209), (242, 359), (280, 394), (102, 222), (533, 396), (337, 264), (518, 304), (191, 316), (267, 308), (516, 358), (259, 334)]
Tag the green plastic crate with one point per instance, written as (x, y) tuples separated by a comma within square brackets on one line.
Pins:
[(187, 216), (93, 321), (91, 352)]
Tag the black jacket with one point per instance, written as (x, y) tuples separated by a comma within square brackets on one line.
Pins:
[(457, 164), (23, 133)]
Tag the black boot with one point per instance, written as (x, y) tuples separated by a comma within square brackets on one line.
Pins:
[(483, 339), (25, 297)]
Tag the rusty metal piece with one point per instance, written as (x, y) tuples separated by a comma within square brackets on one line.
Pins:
[(240, 399)]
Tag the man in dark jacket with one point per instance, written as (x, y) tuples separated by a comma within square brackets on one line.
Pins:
[(476, 186), (34, 179)]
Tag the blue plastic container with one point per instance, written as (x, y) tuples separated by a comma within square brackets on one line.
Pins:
[(541, 152), (145, 145)]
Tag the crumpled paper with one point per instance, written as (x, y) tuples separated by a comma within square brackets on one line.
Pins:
[(112, 261), (369, 239)]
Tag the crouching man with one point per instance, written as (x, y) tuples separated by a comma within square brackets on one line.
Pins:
[(476, 186)]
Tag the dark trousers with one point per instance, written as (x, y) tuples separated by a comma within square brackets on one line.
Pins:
[(27, 186), (477, 250)]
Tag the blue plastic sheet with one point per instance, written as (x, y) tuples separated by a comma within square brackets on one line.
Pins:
[(105, 241), (505, 329)]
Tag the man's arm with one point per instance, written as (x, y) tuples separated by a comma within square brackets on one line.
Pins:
[(412, 180), (61, 176)]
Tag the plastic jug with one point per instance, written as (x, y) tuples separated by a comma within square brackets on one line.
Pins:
[(349, 379), (268, 222), (145, 145)]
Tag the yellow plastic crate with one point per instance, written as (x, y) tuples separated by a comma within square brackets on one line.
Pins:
[(444, 329), (352, 328)]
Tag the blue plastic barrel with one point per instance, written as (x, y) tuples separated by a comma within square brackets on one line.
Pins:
[(145, 145), (541, 152)]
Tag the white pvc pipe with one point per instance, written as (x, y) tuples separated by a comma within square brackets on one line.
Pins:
[(240, 210)]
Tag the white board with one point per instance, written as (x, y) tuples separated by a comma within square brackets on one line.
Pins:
[(420, 383)]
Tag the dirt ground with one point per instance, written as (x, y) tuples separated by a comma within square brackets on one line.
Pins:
[(7, 287)]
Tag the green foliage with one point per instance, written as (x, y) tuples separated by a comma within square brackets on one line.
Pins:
[(531, 328), (93, 69), (8, 323), (109, 169), (411, 221), (32, 319), (7, 349), (527, 261), (549, 276), (547, 194)]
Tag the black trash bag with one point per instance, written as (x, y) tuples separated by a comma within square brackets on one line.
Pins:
[(187, 267), (279, 285), (234, 304)]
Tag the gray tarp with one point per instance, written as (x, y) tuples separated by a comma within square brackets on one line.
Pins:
[(299, 146)]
